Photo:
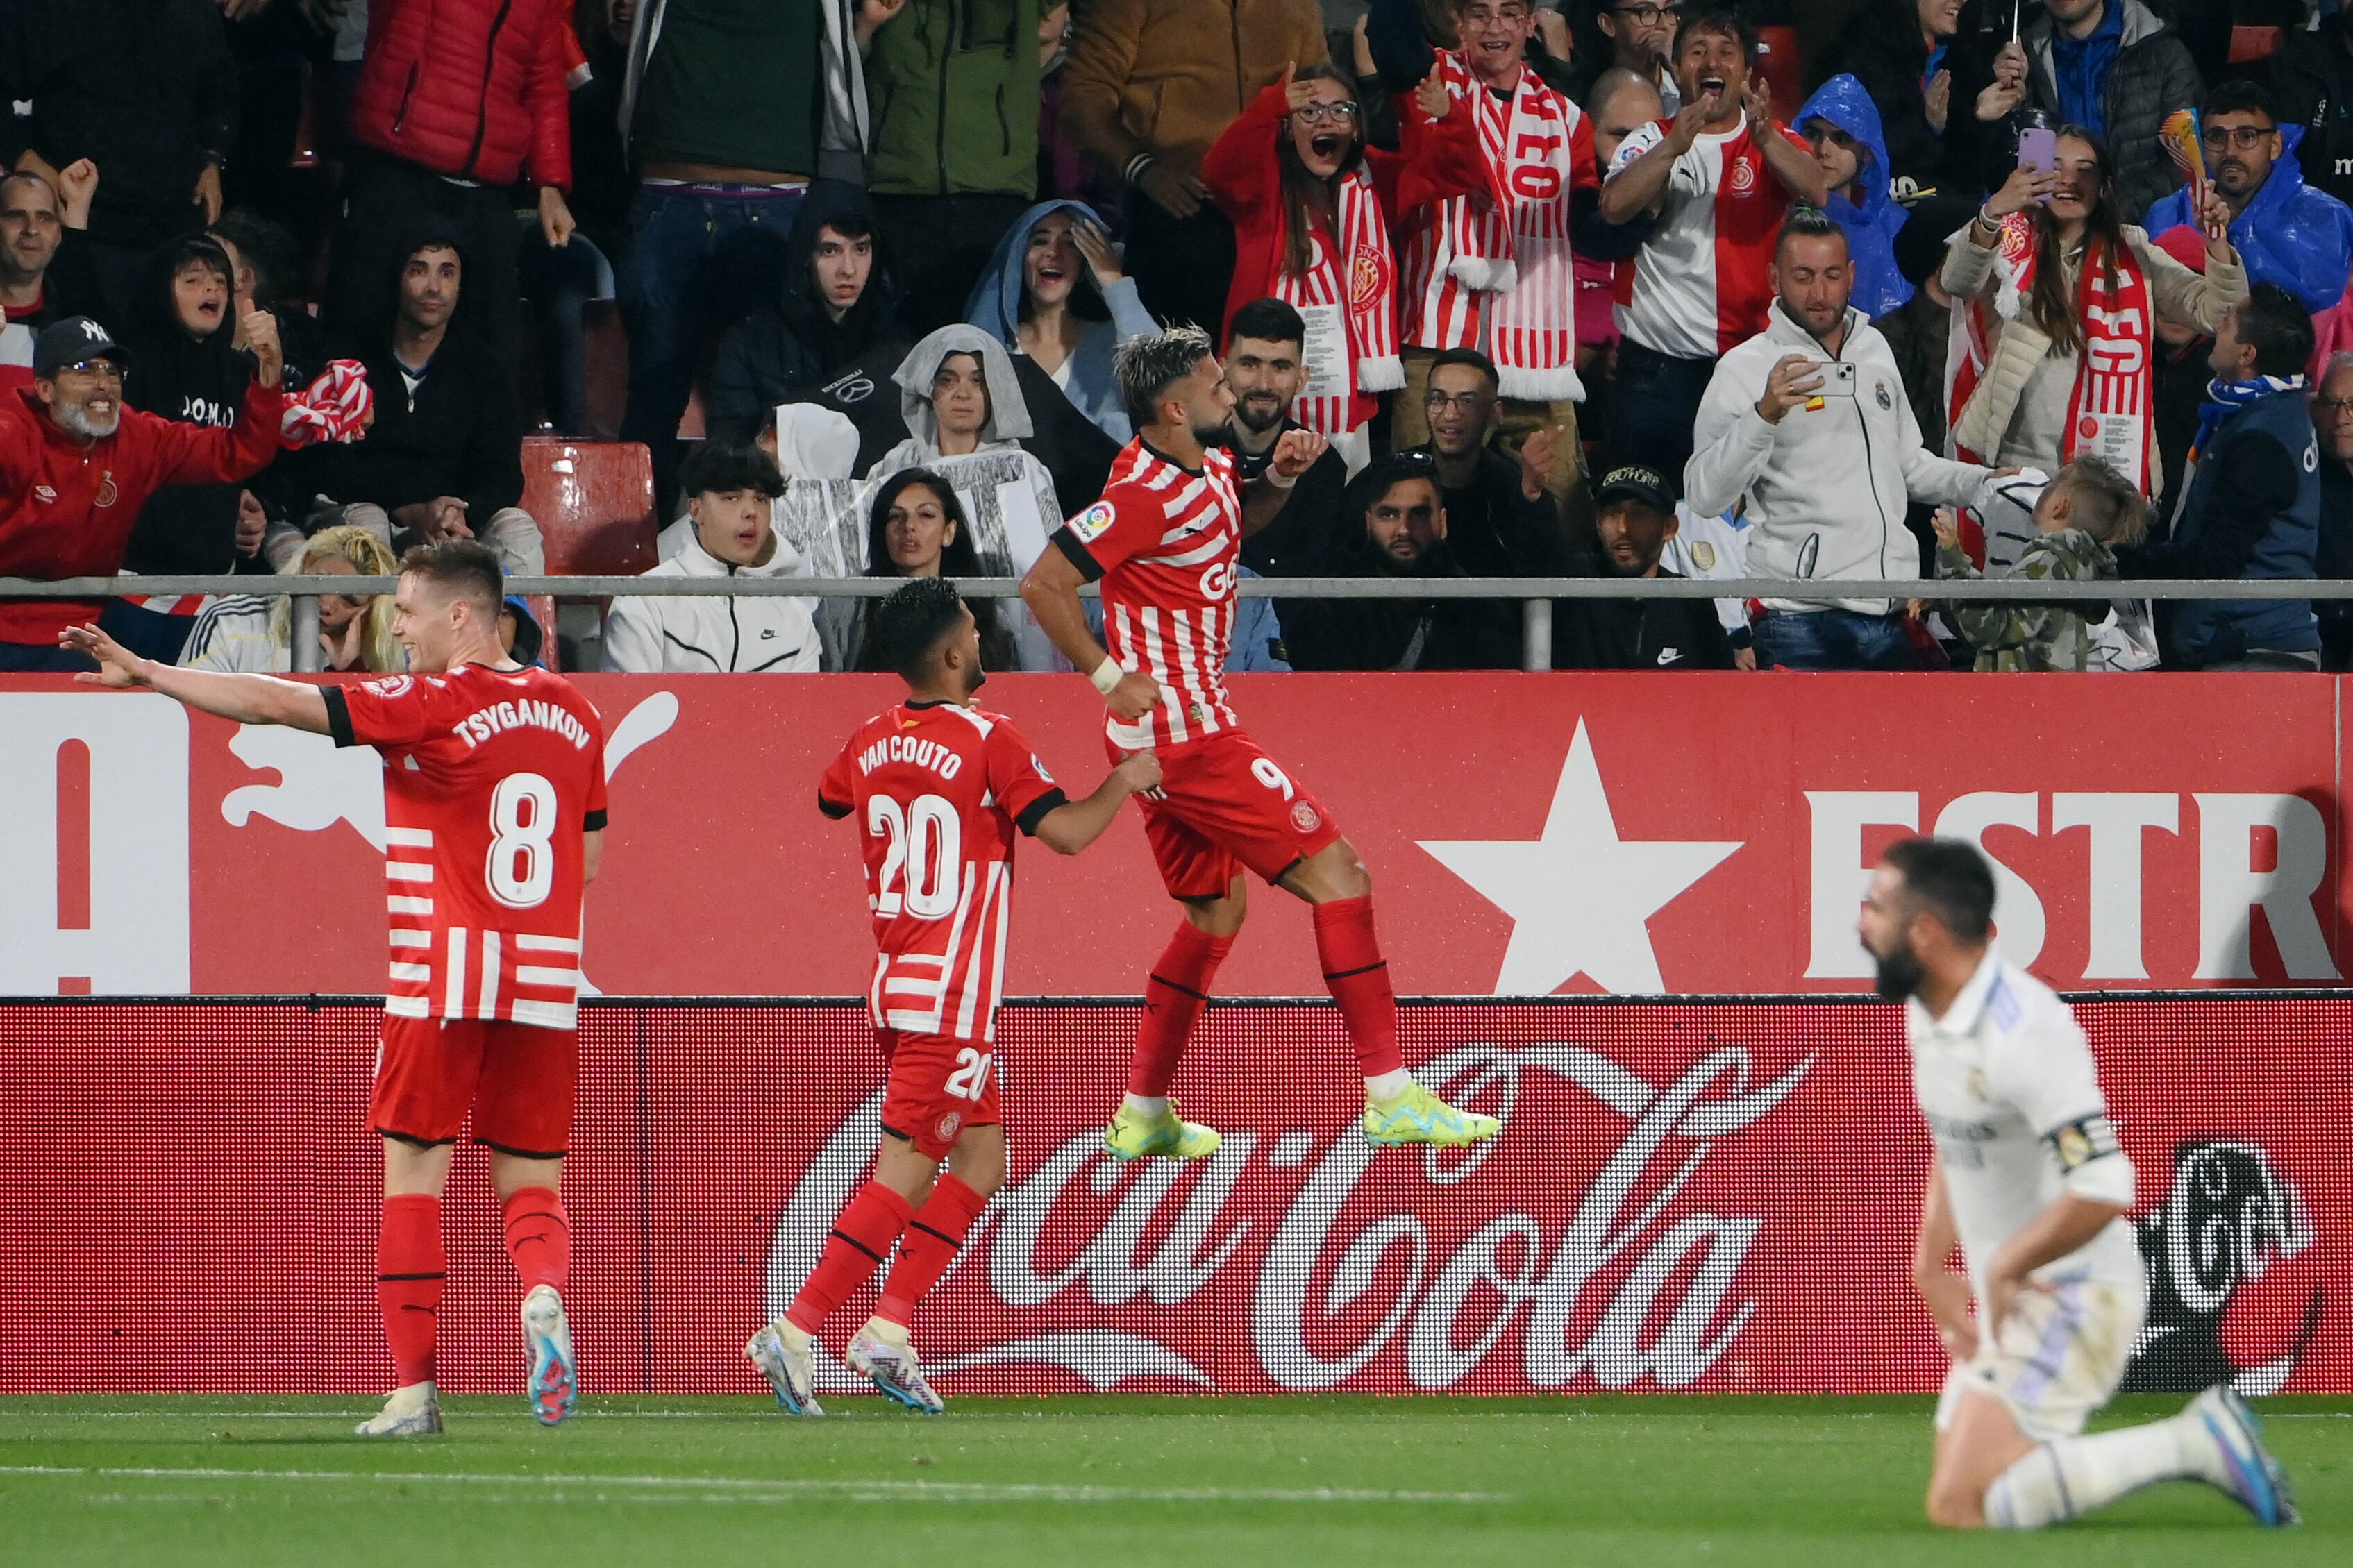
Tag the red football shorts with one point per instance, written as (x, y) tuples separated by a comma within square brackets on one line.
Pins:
[(938, 1086), (1222, 806), (517, 1079)]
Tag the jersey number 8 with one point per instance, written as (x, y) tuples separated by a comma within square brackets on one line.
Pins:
[(926, 842), (521, 867)]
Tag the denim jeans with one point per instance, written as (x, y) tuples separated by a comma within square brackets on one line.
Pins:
[(701, 258), (1831, 639), (1656, 396)]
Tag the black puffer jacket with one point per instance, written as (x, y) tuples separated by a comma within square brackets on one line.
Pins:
[(2152, 76)]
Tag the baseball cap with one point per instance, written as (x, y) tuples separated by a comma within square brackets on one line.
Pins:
[(72, 341), (1636, 481)]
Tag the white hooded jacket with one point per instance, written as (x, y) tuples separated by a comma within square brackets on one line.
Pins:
[(1827, 488), (766, 636)]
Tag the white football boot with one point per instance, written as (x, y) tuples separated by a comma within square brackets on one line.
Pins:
[(554, 1383), (889, 1361), (413, 1410), (787, 1358)]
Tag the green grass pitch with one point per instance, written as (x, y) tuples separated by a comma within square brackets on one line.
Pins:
[(1218, 1482)]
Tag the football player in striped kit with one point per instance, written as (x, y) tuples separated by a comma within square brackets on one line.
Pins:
[(1164, 542), (494, 818)]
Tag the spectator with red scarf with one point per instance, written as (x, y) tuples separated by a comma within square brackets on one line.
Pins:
[(77, 467), (1307, 199)]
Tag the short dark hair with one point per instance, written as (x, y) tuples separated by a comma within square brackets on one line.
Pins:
[(265, 247), (203, 250), (2240, 98), (847, 222), (1384, 475), (1808, 223), (1146, 366), (1471, 357), (911, 624), (1726, 22), (462, 568), (729, 466), (2273, 323), (1951, 879), (1270, 321)]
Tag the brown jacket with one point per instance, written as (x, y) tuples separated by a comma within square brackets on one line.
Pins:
[(1164, 78)]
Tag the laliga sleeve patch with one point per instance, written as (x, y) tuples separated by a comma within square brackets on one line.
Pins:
[(2079, 1143), (1094, 522)]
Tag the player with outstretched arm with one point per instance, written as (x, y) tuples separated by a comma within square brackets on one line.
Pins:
[(494, 814), (1164, 542), (937, 788), (2029, 1182)]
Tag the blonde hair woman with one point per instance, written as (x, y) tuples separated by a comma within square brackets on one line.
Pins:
[(253, 634)]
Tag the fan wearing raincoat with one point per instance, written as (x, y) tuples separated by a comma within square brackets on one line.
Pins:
[(1841, 124)]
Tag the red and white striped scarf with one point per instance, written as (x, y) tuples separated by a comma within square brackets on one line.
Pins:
[(1510, 243), (1362, 281), (2111, 413)]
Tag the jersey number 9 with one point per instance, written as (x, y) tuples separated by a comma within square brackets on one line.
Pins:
[(926, 842)]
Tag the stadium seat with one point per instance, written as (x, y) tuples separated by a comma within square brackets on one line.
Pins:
[(594, 501), (542, 610), (2249, 44), (1778, 59)]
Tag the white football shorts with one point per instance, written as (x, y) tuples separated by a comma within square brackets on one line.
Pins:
[(2057, 1359)]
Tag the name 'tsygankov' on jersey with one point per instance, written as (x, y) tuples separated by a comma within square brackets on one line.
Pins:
[(490, 779), (938, 791), (1164, 542)]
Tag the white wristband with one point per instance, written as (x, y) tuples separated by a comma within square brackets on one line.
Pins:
[(1107, 676), (1277, 481)]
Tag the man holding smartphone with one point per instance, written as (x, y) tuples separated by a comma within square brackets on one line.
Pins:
[(1807, 424)]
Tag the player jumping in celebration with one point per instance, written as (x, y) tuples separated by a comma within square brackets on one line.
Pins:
[(494, 813), (2029, 1181), (1164, 540), (937, 788)]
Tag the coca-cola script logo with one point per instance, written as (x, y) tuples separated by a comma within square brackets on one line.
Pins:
[(2234, 1280), (1581, 1243)]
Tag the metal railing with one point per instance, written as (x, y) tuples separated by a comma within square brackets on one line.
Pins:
[(1536, 593)]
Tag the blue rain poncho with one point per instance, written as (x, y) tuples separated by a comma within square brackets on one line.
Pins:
[(1871, 223)]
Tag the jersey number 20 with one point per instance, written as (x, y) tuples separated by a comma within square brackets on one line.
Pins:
[(926, 842), (521, 867)]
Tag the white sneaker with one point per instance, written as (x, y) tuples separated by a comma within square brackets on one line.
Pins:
[(787, 1358), (413, 1410), (554, 1383), (896, 1371)]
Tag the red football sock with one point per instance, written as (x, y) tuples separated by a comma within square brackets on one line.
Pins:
[(539, 1237), (1172, 999), (1358, 978), (862, 1238), (928, 1248), (409, 1269)]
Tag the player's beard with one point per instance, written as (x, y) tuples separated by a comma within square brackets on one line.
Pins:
[(1212, 434), (1897, 974)]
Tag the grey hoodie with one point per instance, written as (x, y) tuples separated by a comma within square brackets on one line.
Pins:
[(1008, 415)]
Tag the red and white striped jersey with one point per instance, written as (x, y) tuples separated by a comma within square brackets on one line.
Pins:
[(490, 779), (1698, 288), (938, 791), (1166, 542)]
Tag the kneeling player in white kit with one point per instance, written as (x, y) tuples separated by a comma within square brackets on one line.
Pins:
[(2030, 1181)]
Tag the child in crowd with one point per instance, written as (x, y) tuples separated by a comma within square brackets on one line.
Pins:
[(2082, 517)]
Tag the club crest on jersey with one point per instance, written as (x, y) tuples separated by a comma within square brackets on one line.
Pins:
[(390, 686), (948, 1125), (107, 494), (1306, 818), (1094, 522), (1702, 555), (1742, 177)]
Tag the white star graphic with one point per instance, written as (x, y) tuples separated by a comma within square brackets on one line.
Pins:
[(1578, 896)]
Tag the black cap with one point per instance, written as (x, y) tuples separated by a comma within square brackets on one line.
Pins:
[(72, 341), (1637, 481)]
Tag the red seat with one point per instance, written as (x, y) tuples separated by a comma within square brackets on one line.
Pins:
[(2251, 44), (1778, 61), (594, 502)]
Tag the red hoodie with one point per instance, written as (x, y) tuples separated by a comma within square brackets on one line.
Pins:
[(67, 505)]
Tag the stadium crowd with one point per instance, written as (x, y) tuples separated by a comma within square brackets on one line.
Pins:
[(1574, 288)]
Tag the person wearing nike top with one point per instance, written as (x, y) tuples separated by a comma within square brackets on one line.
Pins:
[(2030, 1182), (494, 819), (936, 787), (1164, 544)]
